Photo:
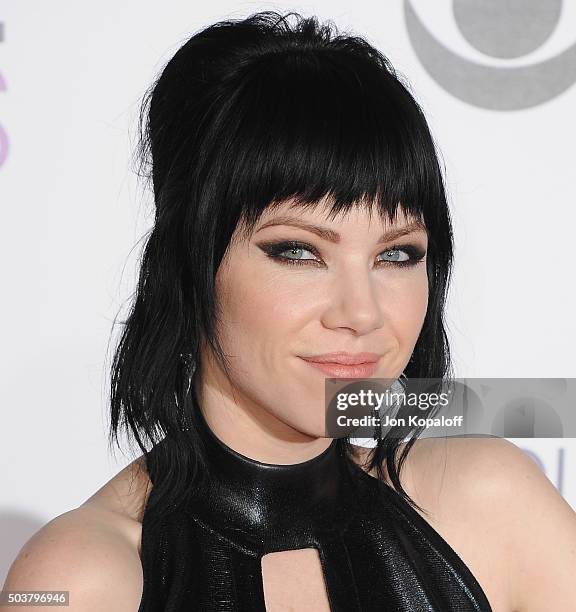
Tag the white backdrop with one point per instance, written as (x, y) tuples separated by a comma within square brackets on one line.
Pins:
[(71, 77)]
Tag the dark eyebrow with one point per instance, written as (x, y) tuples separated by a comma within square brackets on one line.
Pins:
[(332, 236)]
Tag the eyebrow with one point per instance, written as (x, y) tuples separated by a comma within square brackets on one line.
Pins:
[(332, 236)]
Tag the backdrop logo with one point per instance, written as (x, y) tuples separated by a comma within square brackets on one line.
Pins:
[(502, 29)]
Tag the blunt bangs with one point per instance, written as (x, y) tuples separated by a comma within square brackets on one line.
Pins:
[(316, 124)]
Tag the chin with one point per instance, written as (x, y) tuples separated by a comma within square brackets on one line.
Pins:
[(307, 426)]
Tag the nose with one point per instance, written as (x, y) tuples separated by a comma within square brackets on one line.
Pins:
[(355, 303)]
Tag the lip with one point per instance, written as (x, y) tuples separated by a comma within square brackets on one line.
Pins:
[(344, 358), (345, 365)]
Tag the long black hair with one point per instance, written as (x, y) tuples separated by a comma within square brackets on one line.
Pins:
[(246, 114)]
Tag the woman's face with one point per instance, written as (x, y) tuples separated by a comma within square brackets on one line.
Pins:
[(345, 290)]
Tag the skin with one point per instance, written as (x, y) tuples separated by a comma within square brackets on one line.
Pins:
[(485, 497), (349, 296)]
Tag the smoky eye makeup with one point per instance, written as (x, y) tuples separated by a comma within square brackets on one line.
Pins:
[(299, 253)]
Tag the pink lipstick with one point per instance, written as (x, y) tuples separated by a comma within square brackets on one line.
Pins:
[(345, 365)]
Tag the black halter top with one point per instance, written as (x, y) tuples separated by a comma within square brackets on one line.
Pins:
[(377, 553)]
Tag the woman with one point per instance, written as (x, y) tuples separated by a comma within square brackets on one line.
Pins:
[(301, 219)]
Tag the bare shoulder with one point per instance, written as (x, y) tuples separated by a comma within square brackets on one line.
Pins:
[(125, 497), (451, 478), (82, 552), (536, 524), (91, 551), (502, 515)]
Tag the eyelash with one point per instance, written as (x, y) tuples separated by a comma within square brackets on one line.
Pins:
[(275, 250)]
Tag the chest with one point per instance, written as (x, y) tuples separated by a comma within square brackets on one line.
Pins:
[(384, 560), (293, 581)]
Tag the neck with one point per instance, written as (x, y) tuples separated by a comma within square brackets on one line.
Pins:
[(252, 431), (264, 502)]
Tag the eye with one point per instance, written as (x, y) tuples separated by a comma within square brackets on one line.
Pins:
[(294, 253), (403, 255), (291, 253), (396, 255)]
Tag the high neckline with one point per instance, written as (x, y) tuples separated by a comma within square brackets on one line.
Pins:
[(232, 457), (266, 502)]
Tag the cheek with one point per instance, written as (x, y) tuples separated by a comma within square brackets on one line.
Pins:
[(259, 312), (417, 299), (406, 305)]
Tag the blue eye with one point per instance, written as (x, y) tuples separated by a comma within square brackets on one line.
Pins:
[(404, 255), (396, 254), (291, 253)]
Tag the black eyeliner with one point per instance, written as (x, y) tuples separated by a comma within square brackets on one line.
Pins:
[(274, 250)]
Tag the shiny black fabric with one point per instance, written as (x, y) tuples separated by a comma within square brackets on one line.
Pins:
[(377, 553)]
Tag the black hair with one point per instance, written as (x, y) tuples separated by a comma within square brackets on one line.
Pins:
[(247, 114)]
